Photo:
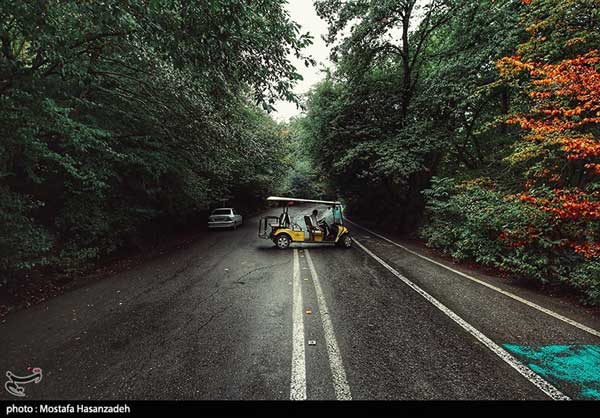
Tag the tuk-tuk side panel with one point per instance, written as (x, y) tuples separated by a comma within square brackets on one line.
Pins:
[(317, 237), (296, 236)]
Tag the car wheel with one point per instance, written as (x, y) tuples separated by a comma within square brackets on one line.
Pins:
[(283, 241)]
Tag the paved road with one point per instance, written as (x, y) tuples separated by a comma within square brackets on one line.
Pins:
[(226, 318)]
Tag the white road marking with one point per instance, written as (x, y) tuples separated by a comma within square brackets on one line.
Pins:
[(538, 381), (298, 382), (490, 286), (340, 383)]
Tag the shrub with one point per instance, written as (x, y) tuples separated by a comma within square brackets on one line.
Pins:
[(474, 221)]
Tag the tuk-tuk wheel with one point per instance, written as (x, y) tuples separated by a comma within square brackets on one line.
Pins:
[(345, 241), (283, 241)]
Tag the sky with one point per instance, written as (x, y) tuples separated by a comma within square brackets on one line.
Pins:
[(303, 12)]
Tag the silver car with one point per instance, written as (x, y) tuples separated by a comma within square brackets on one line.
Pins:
[(224, 218)]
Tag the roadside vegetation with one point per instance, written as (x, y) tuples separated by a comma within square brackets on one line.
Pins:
[(121, 117), (474, 124)]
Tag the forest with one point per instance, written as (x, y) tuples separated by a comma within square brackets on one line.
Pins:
[(473, 125)]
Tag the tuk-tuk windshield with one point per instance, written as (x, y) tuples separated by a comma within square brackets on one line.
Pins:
[(333, 215), (336, 213)]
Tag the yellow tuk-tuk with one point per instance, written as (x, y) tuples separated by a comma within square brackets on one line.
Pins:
[(283, 231)]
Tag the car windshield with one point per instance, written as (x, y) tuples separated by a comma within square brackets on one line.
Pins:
[(222, 212)]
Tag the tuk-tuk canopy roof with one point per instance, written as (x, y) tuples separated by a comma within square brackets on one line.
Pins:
[(293, 199)]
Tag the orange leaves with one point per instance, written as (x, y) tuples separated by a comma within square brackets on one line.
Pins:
[(593, 167), (576, 78), (588, 250), (568, 205), (516, 239), (540, 94), (574, 41), (508, 66), (527, 198), (581, 147), (565, 100), (574, 205), (563, 134), (573, 112)]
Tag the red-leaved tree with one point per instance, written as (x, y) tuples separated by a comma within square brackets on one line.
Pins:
[(563, 140)]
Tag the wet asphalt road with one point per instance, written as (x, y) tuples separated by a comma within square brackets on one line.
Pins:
[(216, 321)]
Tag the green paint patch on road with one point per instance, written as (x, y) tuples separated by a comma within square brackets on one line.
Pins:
[(577, 364)]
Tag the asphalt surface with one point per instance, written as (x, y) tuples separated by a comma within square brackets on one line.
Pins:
[(219, 320)]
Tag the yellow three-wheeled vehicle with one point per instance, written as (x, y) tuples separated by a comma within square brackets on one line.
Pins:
[(282, 231)]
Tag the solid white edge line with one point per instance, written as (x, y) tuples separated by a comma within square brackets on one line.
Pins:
[(538, 381), (298, 380), (488, 285), (340, 383)]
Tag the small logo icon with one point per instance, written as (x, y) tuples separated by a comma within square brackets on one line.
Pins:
[(14, 384)]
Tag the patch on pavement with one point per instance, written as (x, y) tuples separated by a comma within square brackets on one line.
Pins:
[(577, 365)]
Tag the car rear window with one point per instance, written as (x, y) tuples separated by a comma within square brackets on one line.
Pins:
[(222, 212)]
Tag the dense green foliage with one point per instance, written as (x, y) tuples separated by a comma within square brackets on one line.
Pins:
[(117, 115), (411, 130), (372, 160), (301, 179), (470, 220), (407, 102)]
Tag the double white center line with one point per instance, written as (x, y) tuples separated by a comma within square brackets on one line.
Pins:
[(298, 383)]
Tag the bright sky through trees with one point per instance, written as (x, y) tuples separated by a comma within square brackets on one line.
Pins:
[(303, 12)]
